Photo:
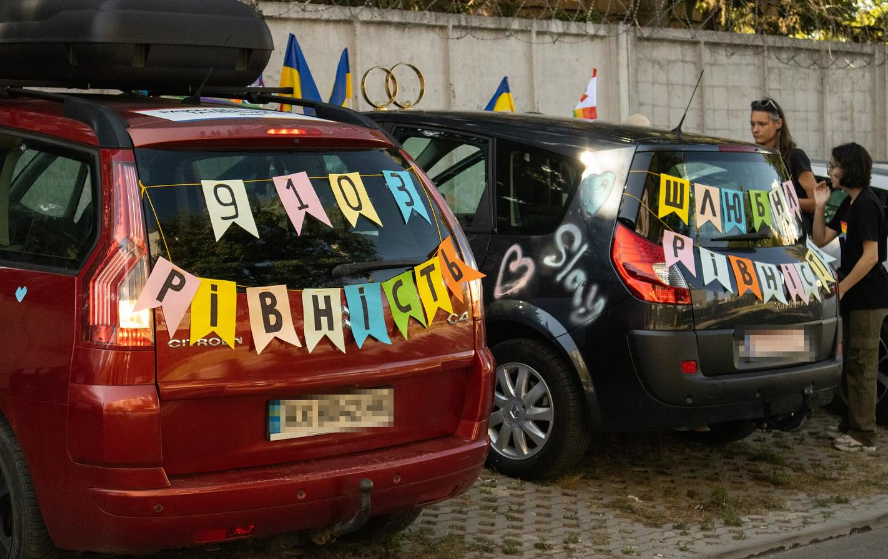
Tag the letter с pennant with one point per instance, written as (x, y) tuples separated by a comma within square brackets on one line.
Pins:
[(171, 288), (674, 197), (432, 290), (744, 273), (270, 316), (214, 309), (454, 271)]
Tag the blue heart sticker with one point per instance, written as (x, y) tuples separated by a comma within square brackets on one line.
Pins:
[(20, 293)]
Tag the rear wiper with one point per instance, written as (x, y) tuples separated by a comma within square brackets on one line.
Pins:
[(743, 237), (344, 270)]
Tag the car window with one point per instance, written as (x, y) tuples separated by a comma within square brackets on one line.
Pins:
[(743, 172), (457, 164), (533, 189), (47, 211), (179, 227)]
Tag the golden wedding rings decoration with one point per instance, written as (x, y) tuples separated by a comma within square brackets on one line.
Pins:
[(391, 87)]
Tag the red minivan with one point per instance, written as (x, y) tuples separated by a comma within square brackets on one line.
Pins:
[(118, 436)]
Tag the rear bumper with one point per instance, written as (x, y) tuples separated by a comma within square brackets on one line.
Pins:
[(280, 499)]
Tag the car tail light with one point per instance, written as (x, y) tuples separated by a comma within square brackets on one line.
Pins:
[(121, 270), (642, 267)]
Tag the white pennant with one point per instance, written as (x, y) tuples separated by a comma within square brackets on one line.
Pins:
[(715, 267), (227, 203), (771, 281), (824, 257), (809, 281)]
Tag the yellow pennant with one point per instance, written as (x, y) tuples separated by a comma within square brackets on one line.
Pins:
[(674, 197), (432, 289), (822, 270), (214, 309), (352, 198)]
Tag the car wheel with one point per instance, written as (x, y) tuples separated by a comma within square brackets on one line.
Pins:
[(841, 400), (22, 533), (538, 427), (724, 433), (379, 527)]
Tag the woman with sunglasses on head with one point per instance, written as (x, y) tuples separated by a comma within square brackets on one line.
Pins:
[(860, 223), (770, 129)]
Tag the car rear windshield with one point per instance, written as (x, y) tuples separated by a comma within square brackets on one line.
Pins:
[(723, 170), (180, 229)]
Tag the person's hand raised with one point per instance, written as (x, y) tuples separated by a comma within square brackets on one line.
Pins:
[(821, 194)]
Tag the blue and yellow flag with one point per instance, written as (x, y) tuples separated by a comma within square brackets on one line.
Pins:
[(502, 100), (296, 74), (342, 87)]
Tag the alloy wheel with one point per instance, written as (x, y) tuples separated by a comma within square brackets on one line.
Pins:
[(523, 413)]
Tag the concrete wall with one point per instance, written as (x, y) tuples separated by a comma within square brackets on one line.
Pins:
[(833, 93)]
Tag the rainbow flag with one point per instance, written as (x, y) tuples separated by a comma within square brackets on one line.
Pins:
[(342, 86), (296, 74), (587, 107), (502, 100)]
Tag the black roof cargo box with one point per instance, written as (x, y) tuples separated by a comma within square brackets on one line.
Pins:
[(131, 44)]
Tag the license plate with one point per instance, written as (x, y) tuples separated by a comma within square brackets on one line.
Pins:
[(778, 344), (330, 413)]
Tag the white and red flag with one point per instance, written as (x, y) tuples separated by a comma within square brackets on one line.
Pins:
[(587, 107)]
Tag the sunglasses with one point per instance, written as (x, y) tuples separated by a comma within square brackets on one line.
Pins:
[(764, 105)]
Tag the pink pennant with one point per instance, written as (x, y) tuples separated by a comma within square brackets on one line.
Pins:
[(679, 248), (299, 198), (792, 199), (793, 282), (171, 288)]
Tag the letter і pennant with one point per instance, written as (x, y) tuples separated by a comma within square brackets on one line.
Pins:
[(365, 313), (455, 271), (214, 309), (171, 288)]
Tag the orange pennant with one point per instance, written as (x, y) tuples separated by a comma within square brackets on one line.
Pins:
[(744, 271), (455, 271)]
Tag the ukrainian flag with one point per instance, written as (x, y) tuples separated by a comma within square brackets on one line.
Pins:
[(502, 100), (296, 74), (342, 87)]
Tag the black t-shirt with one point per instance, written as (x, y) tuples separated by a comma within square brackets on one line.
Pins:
[(864, 220), (799, 163)]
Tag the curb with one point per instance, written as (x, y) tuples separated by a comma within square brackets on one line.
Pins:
[(843, 524)]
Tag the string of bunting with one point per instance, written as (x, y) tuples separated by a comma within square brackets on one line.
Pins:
[(725, 210)]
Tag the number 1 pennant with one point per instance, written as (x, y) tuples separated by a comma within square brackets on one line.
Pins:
[(299, 198)]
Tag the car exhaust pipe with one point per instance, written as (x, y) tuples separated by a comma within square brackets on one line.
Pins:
[(323, 536)]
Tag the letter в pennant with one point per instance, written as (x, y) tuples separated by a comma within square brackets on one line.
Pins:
[(270, 316), (744, 273), (171, 288)]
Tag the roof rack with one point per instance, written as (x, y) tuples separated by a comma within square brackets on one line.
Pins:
[(111, 128)]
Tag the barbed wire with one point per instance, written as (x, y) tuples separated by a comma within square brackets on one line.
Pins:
[(837, 27)]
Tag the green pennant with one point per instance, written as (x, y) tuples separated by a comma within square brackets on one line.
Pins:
[(761, 208), (404, 301)]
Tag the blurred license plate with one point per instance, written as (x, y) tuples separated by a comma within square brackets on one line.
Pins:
[(778, 344), (330, 413)]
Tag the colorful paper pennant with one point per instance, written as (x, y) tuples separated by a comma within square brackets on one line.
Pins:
[(715, 267), (432, 290), (744, 273), (674, 197), (322, 312), (404, 301), (171, 288), (792, 199), (227, 203), (299, 198), (270, 316), (214, 309), (454, 271), (809, 280), (760, 206), (351, 195), (365, 313), (781, 217), (823, 271), (708, 203), (679, 248), (404, 191), (771, 281), (733, 212), (824, 257), (793, 282)]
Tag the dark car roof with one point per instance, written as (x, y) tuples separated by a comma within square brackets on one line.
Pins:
[(548, 131)]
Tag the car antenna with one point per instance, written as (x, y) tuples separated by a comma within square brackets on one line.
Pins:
[(677, 129)]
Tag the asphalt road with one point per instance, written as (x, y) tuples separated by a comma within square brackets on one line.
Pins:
[(867, 545)]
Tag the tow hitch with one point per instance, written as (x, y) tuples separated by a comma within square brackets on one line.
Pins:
[(327, 534), (795, 419)]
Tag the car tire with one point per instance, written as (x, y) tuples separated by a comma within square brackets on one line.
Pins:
[(725, 433), (22, 532), (532, 375), (840, 402), (384, 525)]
